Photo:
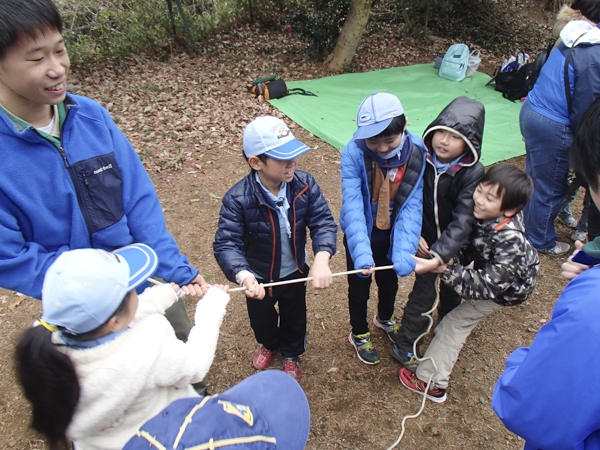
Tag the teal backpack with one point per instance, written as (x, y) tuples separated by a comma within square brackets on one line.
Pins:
[(454, 64)]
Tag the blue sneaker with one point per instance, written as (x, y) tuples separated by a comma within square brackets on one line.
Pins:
[(406, 357)]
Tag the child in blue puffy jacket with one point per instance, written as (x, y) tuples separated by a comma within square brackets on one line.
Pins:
[(381, 215)]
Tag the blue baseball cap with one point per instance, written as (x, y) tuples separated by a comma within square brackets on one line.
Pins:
[(271, 136), (83, 288), (376, 113), (266, 410)]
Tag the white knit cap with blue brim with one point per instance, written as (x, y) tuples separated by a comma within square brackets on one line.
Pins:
[(83, 288), (375, 114), (270, 136)]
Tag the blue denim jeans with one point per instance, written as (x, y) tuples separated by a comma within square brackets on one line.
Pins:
[(547, 162)]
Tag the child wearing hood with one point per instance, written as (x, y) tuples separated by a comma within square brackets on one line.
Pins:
[(453, 143)]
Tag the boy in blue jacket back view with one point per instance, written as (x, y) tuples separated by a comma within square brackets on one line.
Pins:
[(261, 237), (382, 201)]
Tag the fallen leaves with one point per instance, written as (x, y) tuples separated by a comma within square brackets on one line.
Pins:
[(176, 111)]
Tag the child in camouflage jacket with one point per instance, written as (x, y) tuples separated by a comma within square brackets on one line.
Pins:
[(505, 266)]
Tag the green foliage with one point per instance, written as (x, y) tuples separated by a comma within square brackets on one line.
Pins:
[(111, 30), (319, 23)]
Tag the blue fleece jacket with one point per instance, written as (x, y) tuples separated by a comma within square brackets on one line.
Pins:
[(356, 220), (90, 191), (548, 393)]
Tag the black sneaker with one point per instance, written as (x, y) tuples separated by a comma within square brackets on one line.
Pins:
[(406, 357), (390, 327), (364, 348)]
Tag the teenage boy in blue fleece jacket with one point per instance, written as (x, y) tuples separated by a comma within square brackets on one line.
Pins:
[(261, 237), (69, 178), (381, 215)]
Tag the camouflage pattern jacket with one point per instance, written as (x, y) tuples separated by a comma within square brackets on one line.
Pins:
[(505, 263)]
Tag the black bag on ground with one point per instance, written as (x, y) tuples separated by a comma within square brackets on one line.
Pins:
[(516, 84), (273, 87)]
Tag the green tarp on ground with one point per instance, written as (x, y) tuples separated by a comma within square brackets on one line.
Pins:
[(332, 115)]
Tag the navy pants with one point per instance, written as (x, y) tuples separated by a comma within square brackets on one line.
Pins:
[(285, 330), (359, 287)]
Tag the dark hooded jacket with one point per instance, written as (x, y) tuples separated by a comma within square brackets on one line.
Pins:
[(448, 197)]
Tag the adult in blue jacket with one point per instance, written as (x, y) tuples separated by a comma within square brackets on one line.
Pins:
[(381, 215), (547, 394), (548, 117), (69, 178)]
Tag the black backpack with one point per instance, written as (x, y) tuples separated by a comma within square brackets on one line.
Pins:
[(516, 84), (273, 87)]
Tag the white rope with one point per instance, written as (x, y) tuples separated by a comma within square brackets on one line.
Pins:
[(300, 280), (418, 413), (297, 280), (426, 314)]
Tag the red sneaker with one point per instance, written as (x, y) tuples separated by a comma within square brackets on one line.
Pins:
[(409, 380), (262, 358), (291, 366)]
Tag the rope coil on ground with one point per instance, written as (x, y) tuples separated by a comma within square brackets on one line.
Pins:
[(426, 314)]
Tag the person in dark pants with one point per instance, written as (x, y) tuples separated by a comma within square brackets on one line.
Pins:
[(261, 237), (382, 186), (453, 143)]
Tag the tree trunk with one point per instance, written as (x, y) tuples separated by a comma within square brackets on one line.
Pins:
[(354, 26)]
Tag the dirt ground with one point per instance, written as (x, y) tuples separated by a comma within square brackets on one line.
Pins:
[(186, 116)]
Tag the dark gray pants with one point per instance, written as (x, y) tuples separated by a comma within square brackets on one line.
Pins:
[(421, 300)]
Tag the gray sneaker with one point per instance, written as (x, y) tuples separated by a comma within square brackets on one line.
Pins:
[(579, 235), (364, 348), (559, 249), (390, 327), (569, 221)]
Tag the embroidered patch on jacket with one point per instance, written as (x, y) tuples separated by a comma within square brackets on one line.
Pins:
[(242, 411)]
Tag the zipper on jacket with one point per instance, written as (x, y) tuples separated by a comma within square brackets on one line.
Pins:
[(435, 203), (274, 246), (78, 193), (63, 155), (294, 228)]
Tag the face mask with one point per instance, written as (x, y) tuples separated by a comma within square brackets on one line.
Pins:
[(397, 150)]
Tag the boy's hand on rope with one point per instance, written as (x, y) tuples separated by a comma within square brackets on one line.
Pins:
[(253, 288), (197, 287), (320, 271), (440, 269), (222, 287), (425, 265), (423, 249), (570, 269)]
